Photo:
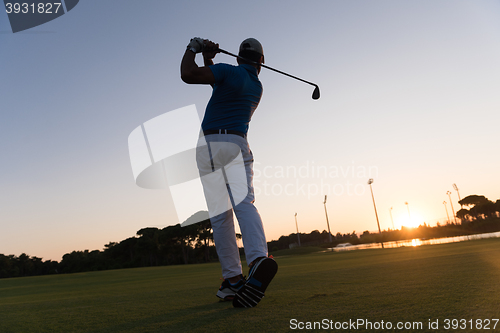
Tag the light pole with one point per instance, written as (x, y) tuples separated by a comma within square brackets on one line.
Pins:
[(297, 226), (370, 182), (456, 189), (327, 223), (444, 203), (407, 206), (452, 209), (390, 212)]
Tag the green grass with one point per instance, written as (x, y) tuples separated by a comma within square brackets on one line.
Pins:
[(456, 281), (297, 250)]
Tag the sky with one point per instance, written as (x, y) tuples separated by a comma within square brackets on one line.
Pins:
[(409, 97)]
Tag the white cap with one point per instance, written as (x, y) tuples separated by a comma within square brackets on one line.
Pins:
[(252, 44)]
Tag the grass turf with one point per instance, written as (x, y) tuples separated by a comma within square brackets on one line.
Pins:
[(454, 281)]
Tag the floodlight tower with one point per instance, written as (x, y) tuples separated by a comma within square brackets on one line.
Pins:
[(407, 206), (327, 223), (456, 189), (392, 220), (296, 225), (444, 203), (451, 204), (370, 182)]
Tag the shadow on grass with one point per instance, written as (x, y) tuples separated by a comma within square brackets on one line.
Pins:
[(190, 319)]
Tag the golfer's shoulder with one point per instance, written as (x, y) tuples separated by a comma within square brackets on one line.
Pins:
[(222, 67), (223, 71)]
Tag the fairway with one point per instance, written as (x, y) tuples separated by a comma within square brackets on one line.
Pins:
[(408, 285)]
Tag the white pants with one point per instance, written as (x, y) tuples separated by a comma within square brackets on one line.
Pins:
[(226, 170)]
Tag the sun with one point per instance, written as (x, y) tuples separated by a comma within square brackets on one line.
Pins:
[(410, 222)]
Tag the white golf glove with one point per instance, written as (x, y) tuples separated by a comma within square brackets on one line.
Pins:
[(196, 45)]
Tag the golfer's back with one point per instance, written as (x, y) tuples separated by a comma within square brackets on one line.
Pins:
[(236, 94)]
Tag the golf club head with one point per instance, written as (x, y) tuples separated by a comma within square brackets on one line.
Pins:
[(316, 93)]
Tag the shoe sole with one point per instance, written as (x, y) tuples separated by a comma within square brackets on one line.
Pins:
[(252, 292), (225, 296)]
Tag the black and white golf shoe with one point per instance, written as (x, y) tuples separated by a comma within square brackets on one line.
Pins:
[(260, 276)]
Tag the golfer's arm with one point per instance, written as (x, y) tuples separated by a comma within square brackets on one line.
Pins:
[(208, 62), (191, 73)]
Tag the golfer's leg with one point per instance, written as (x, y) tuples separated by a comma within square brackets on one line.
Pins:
[(220, 212), (240, 178), (226, 245), (252, 230)]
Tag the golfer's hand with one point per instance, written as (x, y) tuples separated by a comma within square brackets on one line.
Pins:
[(196, 44), (210, 49)]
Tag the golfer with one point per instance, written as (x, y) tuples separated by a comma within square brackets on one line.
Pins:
[(225, 163)]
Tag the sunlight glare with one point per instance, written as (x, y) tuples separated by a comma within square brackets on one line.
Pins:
[(414, 222)]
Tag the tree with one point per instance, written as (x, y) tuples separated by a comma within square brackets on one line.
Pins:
[(473, 200), (478, 207), (5, 267), (464, 215), (180, 237), (24, 264), (148, 245), (205, 235)]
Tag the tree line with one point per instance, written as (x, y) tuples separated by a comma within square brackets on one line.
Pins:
[(172, 245), (176, 245)]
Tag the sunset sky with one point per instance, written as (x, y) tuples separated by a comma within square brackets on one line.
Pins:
[(409, 97)]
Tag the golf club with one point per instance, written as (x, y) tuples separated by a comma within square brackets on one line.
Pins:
[(315, 94)]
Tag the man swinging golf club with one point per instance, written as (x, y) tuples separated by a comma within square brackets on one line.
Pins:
[(236, 94)]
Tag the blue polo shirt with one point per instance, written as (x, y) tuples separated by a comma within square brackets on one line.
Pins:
[(235, 96)]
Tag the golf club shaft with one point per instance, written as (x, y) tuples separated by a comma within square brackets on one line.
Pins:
[(278, 71)]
